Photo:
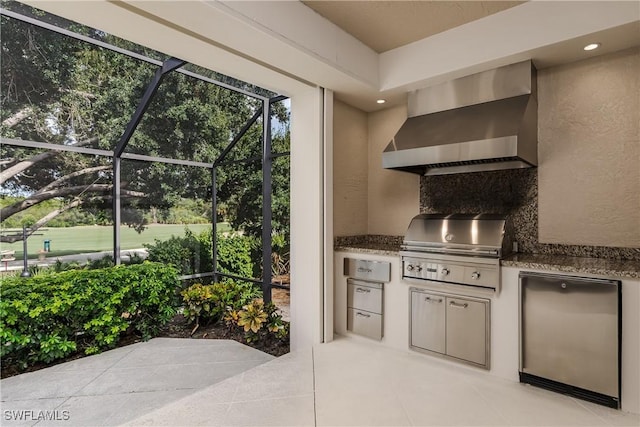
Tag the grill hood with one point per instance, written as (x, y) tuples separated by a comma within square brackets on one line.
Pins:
[(483, 122)]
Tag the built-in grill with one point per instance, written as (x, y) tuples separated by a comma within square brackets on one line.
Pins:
[(456, 249)]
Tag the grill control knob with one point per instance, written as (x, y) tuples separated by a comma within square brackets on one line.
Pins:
[(475, 275), (409, 267), (445, 272), (419, 268)]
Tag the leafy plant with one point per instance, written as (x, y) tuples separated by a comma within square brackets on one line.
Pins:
[(210, 302), (49, 316), (252, 316), (259, 321), (192, 253), (198, 300), (275, 324)]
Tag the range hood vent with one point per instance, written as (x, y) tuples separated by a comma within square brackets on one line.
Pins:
[(487, 121)]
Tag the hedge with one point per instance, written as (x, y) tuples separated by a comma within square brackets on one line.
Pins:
[(193, 253), (50, 316)]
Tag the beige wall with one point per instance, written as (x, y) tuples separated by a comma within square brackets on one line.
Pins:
[(349, 170), (394, 197), (589, 151), (368, 199)]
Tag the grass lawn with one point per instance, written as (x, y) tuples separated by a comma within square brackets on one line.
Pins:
[(75, 240)]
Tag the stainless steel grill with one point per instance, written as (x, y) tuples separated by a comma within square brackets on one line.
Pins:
[(456, 249)]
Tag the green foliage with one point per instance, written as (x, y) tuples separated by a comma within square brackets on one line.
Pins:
[(198, 302), (72, 91), (234, 253), (184, 253), (193, 253), (210, 302), (259, 321), (49, 316), (104, 262)]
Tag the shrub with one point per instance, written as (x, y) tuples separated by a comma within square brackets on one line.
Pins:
[(104, 262), (259, 321), (210, 302), (192, 254), (176, 251), (49, 316)]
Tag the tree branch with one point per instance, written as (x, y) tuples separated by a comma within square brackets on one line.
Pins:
[(26, 164), (41, 222), (17, 117), (60, 180), (40, 197)]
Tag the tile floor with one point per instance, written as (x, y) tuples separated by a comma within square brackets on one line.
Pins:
[(352, 382), (347, 382)]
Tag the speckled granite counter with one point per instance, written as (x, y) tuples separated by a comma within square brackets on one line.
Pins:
[(390, 245), (369, 244), (569, 264), (370, 248)]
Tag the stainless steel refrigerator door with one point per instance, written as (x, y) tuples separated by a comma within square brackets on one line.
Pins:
[(569, 331)]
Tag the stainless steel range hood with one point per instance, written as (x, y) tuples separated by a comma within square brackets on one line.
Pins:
[(483, 122)]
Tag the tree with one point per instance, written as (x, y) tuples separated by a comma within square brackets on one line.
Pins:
[(63, 91)]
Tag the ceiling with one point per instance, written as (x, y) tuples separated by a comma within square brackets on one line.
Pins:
[(386, 25)]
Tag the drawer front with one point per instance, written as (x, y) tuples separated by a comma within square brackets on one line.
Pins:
[(377, 271), (467, 330), (364, 323), (364, 297)]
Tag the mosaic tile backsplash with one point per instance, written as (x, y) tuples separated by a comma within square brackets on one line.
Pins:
[(512, 192)]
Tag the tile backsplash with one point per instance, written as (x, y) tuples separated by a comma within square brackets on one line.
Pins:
[(513, 192)]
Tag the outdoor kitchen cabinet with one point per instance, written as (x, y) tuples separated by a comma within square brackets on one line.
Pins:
[(428, 314), (453, 326)]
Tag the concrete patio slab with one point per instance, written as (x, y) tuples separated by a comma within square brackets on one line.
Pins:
[(120, 385), (277, 393)]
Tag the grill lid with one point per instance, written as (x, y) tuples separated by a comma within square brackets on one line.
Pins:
[(460, 234)]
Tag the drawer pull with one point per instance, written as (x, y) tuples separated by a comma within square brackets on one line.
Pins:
[(362, 290), (362, 314), (455, 304), (438, 301)]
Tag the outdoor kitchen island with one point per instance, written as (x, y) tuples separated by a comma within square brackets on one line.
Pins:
[(504, 317)]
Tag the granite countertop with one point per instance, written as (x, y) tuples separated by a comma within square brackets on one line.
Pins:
[(572, 264), (390, 245), (376, 248)]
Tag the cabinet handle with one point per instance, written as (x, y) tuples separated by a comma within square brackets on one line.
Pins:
[(362, 314), (439, 300), (362, 290), (455, 304)]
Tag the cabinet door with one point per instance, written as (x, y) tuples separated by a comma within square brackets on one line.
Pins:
[(428, 321), (467, 330)]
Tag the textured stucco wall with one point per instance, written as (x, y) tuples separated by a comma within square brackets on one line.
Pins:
[(589, 152), (350, 170), (394, 197)]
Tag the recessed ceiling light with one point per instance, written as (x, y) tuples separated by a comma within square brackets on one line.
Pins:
[(381, 101), (591, 46)]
